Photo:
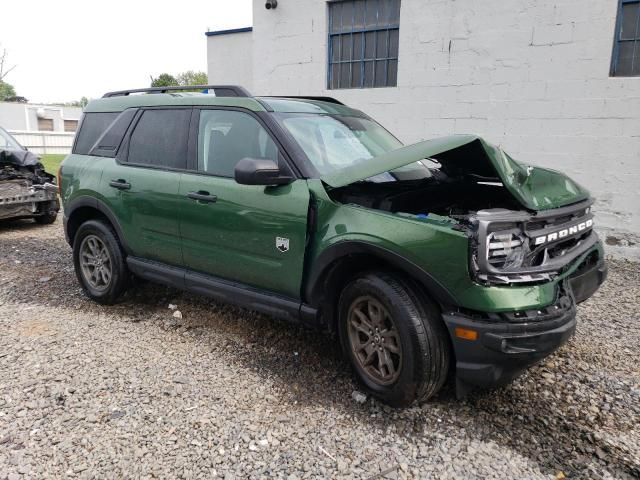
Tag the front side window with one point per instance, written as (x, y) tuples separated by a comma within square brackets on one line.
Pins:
[(363, 43), (227, 136), (160, 139), (626, 49)]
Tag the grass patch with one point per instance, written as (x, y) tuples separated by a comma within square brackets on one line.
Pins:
[(51, 162)]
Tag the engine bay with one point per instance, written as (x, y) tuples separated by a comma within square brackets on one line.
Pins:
[(26, 189), (439, 194)]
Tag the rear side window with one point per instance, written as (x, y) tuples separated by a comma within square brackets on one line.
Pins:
[(92, 127), (160, 139)]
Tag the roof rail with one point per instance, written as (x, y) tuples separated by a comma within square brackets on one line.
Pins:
[(219, 90), (306, 97)]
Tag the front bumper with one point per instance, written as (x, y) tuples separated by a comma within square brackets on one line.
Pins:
[(20, 198), (509, 343)]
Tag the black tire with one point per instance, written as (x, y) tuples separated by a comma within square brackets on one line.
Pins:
[(423, 341), (46, 219), (106, 292)]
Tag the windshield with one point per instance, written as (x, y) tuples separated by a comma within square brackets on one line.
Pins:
[(7, 142), (334, 142)]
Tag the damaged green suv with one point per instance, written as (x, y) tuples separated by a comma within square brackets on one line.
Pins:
[(442, 259)]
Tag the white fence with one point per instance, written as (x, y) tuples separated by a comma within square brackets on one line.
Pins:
[(45, 142)]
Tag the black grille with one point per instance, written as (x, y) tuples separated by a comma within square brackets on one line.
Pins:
[(500, 248)]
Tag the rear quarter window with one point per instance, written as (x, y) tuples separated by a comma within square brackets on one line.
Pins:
[(92, 127), (107, 145)]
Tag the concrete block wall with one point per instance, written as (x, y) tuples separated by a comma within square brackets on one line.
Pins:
[(529, 75), (230, 59)]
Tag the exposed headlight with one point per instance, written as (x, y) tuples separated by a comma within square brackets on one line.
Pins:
[(505, 250)]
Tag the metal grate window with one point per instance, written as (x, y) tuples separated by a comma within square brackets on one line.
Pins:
[(363, 43), (45, 124), (70, 125), (626, 47)]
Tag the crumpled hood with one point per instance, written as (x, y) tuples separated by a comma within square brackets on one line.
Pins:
[(20, 158), (534, 187)]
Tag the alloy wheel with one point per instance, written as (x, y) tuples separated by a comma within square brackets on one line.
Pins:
[(95, 262), (374, 340)]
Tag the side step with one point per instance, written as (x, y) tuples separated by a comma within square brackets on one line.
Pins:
[(223, 290)]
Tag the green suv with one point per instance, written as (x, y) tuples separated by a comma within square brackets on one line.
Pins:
[(446, 258)]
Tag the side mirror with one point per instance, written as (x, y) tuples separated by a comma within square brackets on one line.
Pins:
[(255, 171)]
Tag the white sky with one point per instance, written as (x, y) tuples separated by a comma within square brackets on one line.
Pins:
[(68, 49)]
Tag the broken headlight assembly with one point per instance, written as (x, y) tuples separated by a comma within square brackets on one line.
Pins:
[(509, 247), (505, 249), (504, 256)]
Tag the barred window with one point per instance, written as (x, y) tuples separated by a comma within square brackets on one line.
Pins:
[(363, 43), (626, 48)]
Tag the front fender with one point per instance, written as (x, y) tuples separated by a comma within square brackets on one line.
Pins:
[(329, 256)]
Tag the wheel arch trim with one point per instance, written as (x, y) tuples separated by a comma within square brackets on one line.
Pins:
[(92, 202), (331, 257)]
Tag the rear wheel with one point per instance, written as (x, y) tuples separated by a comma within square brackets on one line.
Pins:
[(394, 338), (99, 262)]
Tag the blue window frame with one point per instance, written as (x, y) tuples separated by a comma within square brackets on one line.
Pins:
[(626, 46), (363, 43)]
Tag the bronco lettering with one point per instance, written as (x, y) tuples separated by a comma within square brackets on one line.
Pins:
[(564, 233)]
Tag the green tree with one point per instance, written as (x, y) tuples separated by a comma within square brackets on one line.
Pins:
[(191, 77), (164, 80), (78, 103), (6, 91), (184, 79)]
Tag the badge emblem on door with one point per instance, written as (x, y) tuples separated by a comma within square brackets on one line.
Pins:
[(282, 244)]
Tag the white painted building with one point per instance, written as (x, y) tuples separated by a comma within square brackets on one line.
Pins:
[(30, 117), (41, 128), (551, 81)]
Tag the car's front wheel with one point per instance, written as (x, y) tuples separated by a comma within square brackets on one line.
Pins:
[(99, 262), (394, 337), (46, 219)]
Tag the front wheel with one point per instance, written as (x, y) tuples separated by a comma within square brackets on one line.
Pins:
[(49, 213), (46, 219), (394, 338), (99, 262)]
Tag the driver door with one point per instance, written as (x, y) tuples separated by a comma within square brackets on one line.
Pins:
[(249, 234)]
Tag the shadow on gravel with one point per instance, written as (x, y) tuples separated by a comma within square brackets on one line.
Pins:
[(19, 225), (308, 368)]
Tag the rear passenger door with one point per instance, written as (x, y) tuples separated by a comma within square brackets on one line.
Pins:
[(245, 233), (143, 184)]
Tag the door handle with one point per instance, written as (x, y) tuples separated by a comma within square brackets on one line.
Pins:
[(202, 196), (120, 184)]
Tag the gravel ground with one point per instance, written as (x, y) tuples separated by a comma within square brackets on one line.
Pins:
[(90, 391)]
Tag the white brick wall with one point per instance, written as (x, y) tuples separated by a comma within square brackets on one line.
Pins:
[(530, 75)]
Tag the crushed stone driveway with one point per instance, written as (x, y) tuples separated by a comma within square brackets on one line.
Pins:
[(135, 391)]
